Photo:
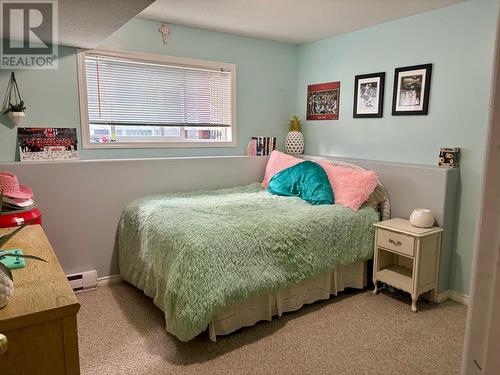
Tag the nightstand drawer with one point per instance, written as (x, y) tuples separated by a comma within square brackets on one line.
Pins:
[(396, 241)]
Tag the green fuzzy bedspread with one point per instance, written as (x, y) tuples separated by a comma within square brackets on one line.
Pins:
[(195, 253)]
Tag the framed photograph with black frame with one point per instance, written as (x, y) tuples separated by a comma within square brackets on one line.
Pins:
[(412, 86), (369, 95)]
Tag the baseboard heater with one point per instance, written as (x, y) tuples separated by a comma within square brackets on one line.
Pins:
[(83, 280)]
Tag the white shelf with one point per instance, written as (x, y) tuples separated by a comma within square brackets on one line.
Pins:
[(397, 276)]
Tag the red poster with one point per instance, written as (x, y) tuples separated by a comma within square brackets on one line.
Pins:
[(323, 101)]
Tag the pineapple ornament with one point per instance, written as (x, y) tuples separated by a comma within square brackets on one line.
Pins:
[(294, 142)]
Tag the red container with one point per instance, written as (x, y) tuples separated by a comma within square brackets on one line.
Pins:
[(16, 218)]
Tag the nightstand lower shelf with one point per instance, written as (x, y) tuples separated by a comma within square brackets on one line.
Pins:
[(397, 276)]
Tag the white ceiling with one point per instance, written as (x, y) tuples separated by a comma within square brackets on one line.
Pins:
[(294, 21), (85, 23)]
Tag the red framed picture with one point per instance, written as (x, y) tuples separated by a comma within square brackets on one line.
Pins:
[(37, 144), (323, 101)]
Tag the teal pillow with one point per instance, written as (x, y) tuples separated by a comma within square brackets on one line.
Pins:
[(306, 180)]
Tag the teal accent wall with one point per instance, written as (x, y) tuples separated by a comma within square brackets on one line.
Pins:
[(272, 78), (266, 86), (459, 41)]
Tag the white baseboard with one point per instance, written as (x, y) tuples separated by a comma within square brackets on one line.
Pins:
[(454, 296), (443, 296), (459, 297), (107, 280)]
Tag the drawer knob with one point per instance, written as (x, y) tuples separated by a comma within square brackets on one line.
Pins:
[(395, 243), (3, 344)]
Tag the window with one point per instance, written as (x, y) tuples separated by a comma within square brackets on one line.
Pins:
[(142, 100)]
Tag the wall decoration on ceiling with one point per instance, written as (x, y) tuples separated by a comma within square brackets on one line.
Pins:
[(323, 100), (412, 85), (164, 32), (37, 144), (369, 95)]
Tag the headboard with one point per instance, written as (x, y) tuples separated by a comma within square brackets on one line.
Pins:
[(411, 186), (380, 194)]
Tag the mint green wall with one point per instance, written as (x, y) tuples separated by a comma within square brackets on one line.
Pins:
[(266, 86), (271, 85), (459, 41)]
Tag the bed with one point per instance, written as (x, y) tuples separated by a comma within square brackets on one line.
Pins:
[(226, 259)]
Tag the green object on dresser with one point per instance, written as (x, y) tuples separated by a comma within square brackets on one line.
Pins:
[(195, 253), (12, 262)]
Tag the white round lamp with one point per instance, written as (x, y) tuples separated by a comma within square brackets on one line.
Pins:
[(422, 218)]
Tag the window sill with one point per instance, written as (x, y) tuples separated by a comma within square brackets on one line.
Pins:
[(146, 145), (126, 160)]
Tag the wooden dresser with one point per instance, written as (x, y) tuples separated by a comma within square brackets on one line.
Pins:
[(39, 322)]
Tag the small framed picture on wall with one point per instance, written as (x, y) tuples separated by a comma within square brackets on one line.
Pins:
[(412, 85), (369, 95), (323, 101)]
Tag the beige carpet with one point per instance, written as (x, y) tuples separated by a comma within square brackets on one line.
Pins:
[(122, 332)]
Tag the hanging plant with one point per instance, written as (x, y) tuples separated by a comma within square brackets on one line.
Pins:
[(13, 104)]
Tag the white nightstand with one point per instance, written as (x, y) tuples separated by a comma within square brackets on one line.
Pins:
[(407, 258)]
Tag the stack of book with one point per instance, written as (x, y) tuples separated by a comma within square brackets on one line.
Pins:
[(16, 205), (261, 146)]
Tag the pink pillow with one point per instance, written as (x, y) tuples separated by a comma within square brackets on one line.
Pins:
[(276, 163), (351, 187)]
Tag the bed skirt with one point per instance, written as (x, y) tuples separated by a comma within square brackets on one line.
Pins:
[(264, 307)]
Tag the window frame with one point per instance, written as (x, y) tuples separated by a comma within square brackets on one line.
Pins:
[(154, 58)]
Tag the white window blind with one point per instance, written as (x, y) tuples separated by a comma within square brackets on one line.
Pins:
[(130, 92)]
